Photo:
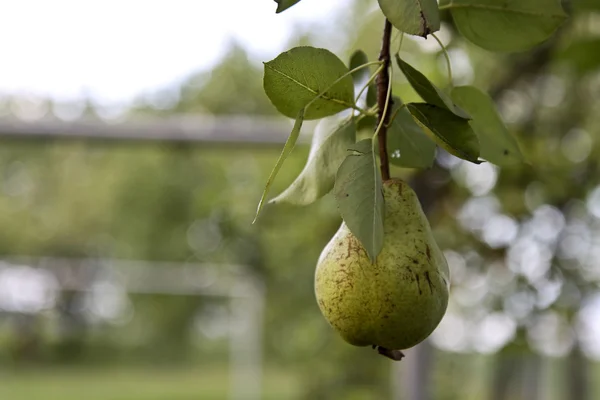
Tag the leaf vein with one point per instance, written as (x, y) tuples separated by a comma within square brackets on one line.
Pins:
[(312, 91)]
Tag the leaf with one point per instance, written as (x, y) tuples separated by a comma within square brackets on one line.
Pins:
[(367, 123), (283, 5), (507, 25), (585, 5), (371, 95), (357, 59), (582, 55), (362, 147), (415, 17), (294, 78), (496, 144), (328, 150), (408, 146), (359, 194), (287, 149), (427, 90), (452, 133)]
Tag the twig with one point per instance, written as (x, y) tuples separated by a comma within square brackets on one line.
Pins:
[(447, 57), (383, 81)]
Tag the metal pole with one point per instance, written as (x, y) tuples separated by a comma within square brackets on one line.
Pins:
[(232, 130), (247, 309), (412, 374)]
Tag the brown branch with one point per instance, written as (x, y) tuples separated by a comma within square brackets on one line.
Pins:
[(383, 84), (383, 81)]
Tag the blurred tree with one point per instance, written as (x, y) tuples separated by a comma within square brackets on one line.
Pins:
[(522, 241), (233, 86)]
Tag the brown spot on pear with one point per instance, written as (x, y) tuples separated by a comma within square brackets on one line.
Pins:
[(394, 303)]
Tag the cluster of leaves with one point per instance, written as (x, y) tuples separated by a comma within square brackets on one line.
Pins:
[(307, 83)]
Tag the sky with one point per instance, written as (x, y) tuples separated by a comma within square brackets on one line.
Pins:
[(115, 50)]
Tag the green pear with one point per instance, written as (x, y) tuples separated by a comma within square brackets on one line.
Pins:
[(396, 302)]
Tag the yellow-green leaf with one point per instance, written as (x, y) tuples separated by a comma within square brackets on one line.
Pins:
[(357, 59), (496, 144), (408, 146), (328, 150), (415, 17), (506, 25), (283, 5), (294, 78), (452, 133), (358, 191), (427, 90), (287, 149)]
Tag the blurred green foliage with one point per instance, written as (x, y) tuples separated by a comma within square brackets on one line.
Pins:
[(81, 199)]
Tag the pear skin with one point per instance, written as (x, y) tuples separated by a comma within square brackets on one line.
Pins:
[(396, 302)]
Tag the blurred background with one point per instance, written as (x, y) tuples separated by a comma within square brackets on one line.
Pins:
[(135, 141)]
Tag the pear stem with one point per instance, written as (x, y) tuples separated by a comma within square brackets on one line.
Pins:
[(395, 355), (383, 80)]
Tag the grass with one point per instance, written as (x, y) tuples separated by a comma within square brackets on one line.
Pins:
[(133, 384)]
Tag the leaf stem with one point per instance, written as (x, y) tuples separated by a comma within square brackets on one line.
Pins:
[(371, 79), (396, 113), (291, 141), (353, 106), (381, 124), (353, 70), (400, 44), (448, 63), (360, 110), (384, 91)]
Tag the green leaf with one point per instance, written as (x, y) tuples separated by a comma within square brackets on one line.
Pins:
[(506, 25), (294, 78), (364, 146), (408, 146), (287, 149), (582, 55), (359, 194), (283, 5), (415, 17), (452, 133), (357, 59), (585, 5), (427, 90), (371, 95), (369, 123), (328, 150), (496, 144)]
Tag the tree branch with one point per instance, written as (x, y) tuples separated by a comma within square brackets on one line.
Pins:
[(383, 80), (383, 84)]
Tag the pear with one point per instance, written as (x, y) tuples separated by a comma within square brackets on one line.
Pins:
[(397, 301)]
